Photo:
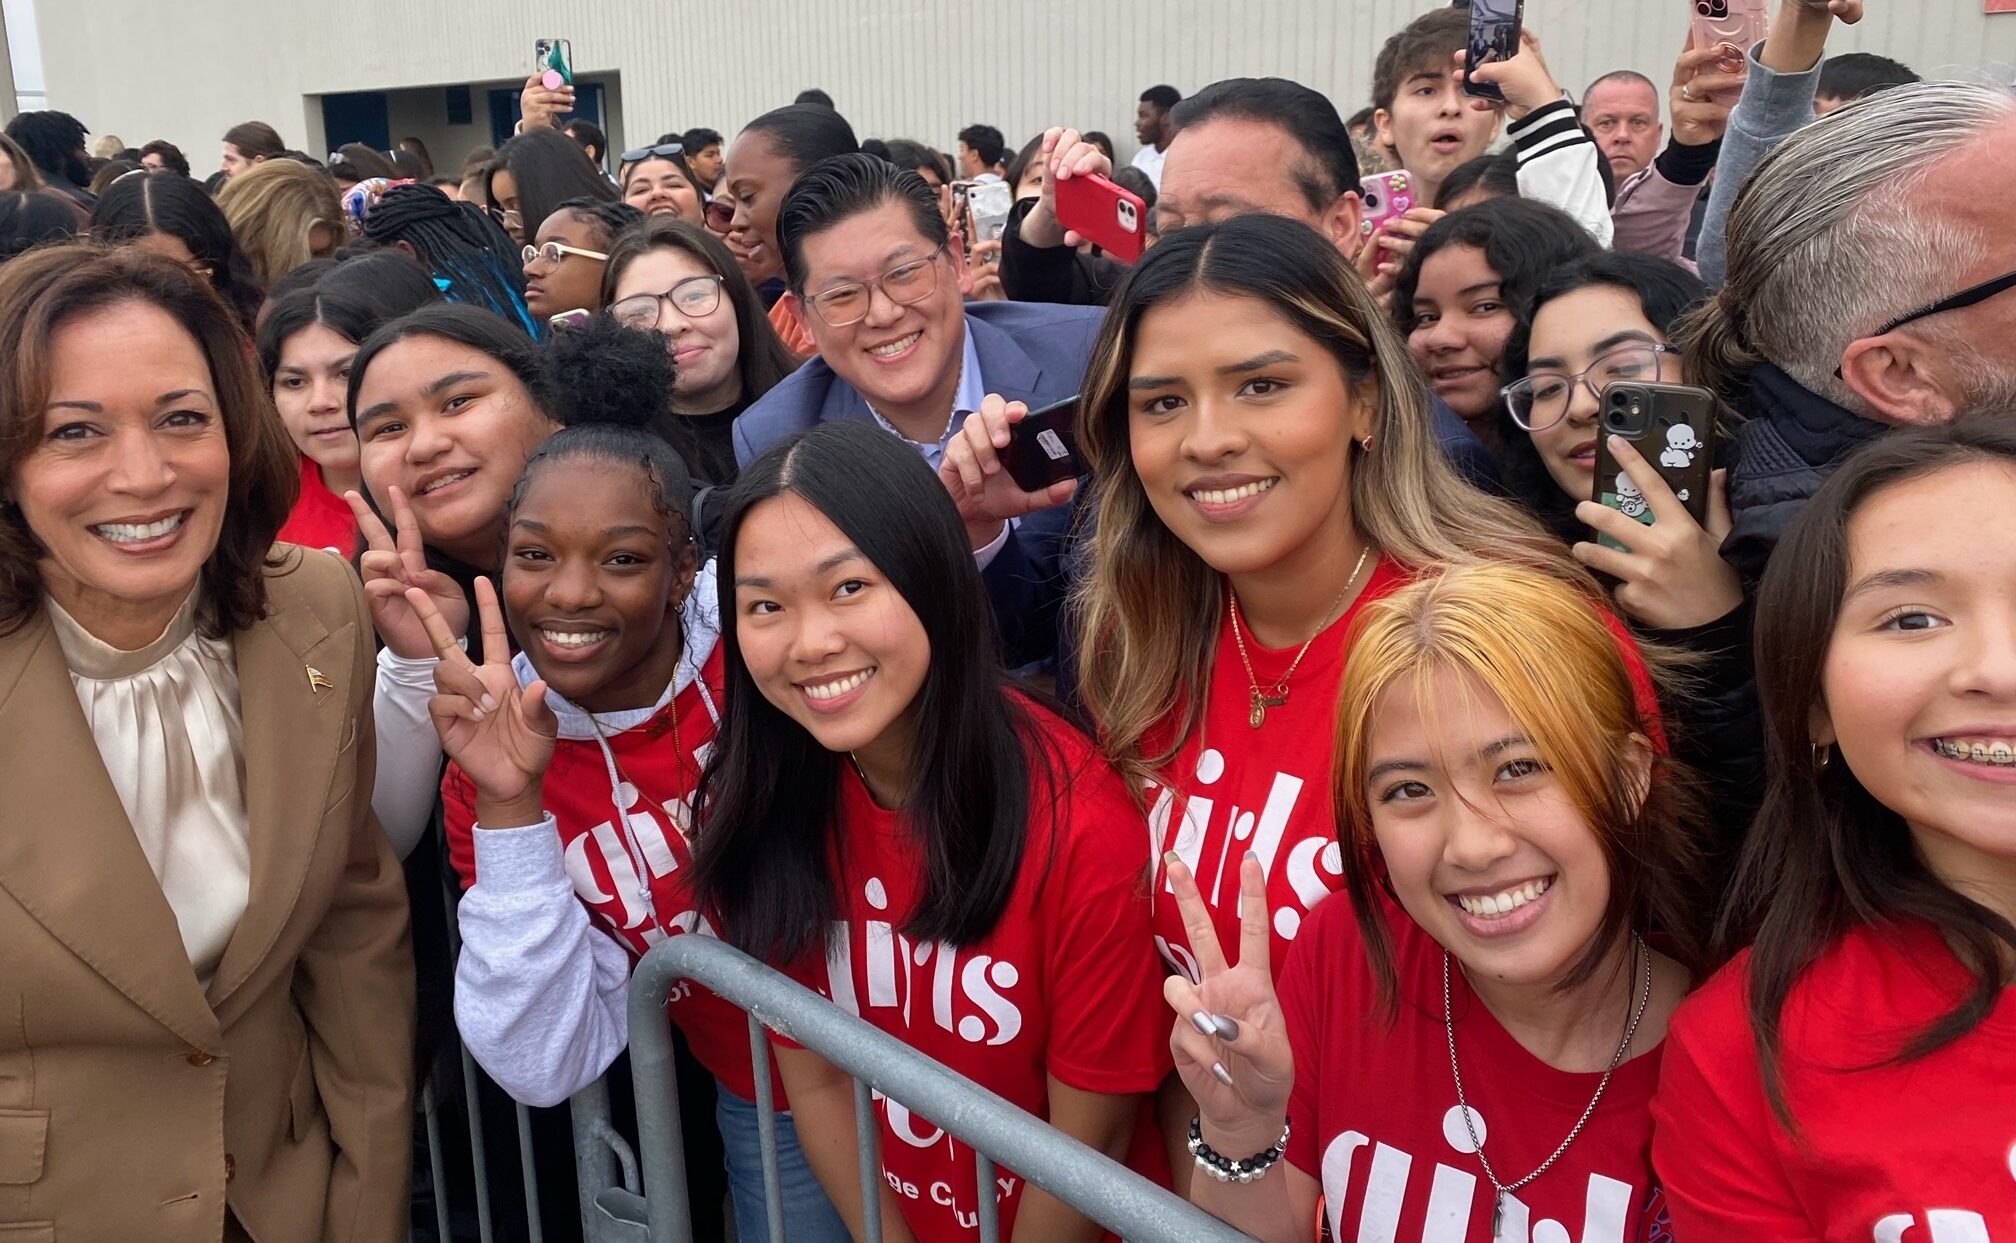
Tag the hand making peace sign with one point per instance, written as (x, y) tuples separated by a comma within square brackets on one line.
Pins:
[(501, 736), (391, 566), (1230, 1041)]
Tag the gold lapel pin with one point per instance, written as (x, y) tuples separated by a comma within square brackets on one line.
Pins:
[(317, 681)]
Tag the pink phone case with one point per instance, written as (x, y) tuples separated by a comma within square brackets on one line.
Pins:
[(1387, 197), (1739, 23)]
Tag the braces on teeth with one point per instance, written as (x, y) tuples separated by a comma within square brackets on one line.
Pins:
[(1997, 753)]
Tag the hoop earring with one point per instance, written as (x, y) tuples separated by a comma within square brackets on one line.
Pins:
[(1823, 755)]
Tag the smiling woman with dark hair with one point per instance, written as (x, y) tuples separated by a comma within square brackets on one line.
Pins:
[(201, 912)]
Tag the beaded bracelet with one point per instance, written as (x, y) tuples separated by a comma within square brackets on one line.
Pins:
[(1224, 1168)]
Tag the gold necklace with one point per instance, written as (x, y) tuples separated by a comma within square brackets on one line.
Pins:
[(1257, 705)]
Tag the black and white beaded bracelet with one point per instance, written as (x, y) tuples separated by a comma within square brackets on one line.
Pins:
[(1224, 1168)]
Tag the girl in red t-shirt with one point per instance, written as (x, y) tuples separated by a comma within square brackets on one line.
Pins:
[(886, 820), (1852, 1076), (1467, 1048), (568, 802), (1264, 464), (307, 339)]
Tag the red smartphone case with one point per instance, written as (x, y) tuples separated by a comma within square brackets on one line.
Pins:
[(1104, 214)]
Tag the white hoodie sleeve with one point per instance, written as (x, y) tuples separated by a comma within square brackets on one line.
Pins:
[(1558, 165), (541, 995), (409, 751)]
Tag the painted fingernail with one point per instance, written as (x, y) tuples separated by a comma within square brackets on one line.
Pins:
[(1225, 1027), (1202, 1022), (1221, 1074)]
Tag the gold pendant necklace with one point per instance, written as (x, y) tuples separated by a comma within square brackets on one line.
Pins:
[(1259, 701)]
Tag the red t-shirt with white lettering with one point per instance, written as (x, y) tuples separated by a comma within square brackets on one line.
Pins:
[(1373, 1114), (1233, 788), (1066, 985), (660, 783), (1922, 1151)]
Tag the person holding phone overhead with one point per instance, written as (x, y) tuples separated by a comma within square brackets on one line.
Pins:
[(1468, 1046)]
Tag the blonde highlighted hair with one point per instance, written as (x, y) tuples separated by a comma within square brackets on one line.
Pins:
[(1537, 646), (276, 209), (1148, 611)]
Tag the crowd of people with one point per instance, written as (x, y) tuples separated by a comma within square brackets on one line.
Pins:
[(1367, 763)]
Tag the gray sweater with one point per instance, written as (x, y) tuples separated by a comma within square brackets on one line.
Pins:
[(1774, 106)]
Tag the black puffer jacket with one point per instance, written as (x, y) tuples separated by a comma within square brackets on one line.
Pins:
[(1794, 439)]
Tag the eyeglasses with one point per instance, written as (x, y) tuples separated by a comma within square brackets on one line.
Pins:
[(1973, 295), (720, 214), (507, 218), (694, 297), (645, 153), (905, 284), (554, 252), (1538, 402)]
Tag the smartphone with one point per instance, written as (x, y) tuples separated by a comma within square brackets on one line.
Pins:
[(553, 60), (1740, 23), (1043, 447), (987, 204), (1673, 427), (1387, 196), (1113, 219), (1494, 36)]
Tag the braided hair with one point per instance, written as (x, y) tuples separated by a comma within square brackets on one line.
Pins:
[(468, 254)]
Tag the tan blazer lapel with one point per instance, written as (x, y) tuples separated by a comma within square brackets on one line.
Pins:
[(295, 724), (67, 852)]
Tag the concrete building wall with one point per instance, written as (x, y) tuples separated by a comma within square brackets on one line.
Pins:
[(896, 68)]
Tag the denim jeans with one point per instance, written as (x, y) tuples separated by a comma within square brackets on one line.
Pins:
[(808, 1216)]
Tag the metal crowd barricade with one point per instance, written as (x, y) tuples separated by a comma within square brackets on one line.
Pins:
[(1102, 1190)]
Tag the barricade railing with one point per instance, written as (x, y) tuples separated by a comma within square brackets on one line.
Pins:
[(997, 1132)]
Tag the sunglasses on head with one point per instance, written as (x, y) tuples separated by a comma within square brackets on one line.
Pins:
[(661, 150)]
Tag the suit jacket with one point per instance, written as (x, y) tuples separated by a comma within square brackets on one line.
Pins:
[(134, 1106), (1029, 352)]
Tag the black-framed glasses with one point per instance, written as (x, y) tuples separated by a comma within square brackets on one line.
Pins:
[(1538, 402), (1973, 295), (662, 150), (694, 297), (906, 284), (554, 252)]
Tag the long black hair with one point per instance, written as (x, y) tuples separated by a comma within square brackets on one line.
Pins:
[(133, 207), (769, 797), (467, 253), (1666, 293), (547, 168), (1823, 855)]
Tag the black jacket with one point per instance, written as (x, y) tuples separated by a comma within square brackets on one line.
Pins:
[(1054, 273), (1793, 440)]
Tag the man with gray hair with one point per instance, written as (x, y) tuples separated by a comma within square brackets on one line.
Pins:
[(1871, 283)]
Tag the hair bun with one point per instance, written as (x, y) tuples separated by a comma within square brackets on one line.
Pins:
[(602, 372)]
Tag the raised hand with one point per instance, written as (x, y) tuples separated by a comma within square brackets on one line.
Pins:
[(500, 735), (1671, 574), (541, 105), (1066, 154), (1700, 78), (981, 486), (1240, 1070), (1525, 79), (392, 566)]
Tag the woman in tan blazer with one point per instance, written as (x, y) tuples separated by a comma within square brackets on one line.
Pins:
[(206, 992)]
